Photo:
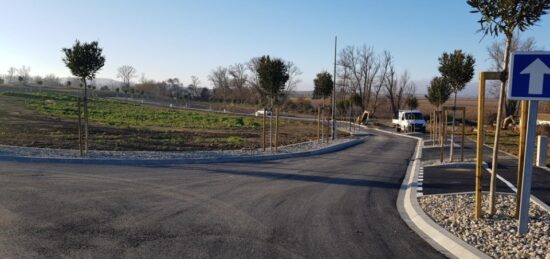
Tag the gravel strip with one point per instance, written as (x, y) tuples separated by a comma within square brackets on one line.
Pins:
[(494, 235), (160, 155)]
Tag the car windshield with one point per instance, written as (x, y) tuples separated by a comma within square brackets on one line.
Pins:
[(413, 116)]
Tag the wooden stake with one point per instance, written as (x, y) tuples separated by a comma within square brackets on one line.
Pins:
[(276, 128), (263, 132), (442, 137), (463, 132), (319, 124), (80, 128), (479, 146), (521, 152)]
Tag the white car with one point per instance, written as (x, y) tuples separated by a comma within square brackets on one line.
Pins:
[(410, 121), (261, 113)]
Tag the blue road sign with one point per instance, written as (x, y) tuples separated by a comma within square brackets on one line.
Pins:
[(530, 76)]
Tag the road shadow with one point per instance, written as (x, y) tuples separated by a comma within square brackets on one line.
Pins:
[(309, 178)]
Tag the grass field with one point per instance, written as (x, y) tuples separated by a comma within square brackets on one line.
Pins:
[(49, 120)]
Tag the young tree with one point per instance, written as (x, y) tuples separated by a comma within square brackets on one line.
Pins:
[(438, 92), (458, 69), (323, 89), (273, 76), (504, 17), (84, 60), (126, 73), (411, 102), (323, 86)]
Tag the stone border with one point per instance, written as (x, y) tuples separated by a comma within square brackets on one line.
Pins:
[(145, 162), (413, 215)]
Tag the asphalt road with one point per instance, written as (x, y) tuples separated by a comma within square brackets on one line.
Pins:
[(339, 205)]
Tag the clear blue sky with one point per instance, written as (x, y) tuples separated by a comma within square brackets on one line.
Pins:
[(182, 38)]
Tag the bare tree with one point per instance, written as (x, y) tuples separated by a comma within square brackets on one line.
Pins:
[(349, 59), (370, 65), (363, 66), (11, 74), (194, 87), (24, 73), (220, 79), (396, 89), (496, 55), (51, 80), (384, 66), (253, 81), (293, 76), (126, 73), (237, 80)]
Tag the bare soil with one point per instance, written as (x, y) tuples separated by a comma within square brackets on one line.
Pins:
[(21, 126)]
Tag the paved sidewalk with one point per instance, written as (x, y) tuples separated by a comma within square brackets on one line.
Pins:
[(461, 177)]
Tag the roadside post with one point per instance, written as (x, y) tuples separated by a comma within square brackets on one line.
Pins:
[(276, 128), (463, 133), (529, 80), (442, 133), (521, 152), (319, 124), (483, 76), (263, 131), (542, 150)]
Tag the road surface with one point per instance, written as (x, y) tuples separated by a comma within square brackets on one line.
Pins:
[(339, 205)]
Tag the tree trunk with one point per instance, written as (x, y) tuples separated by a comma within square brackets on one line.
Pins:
[(323, 121), (451, 154), (79, 127), (500, 110), (85, 117), (271, 126)]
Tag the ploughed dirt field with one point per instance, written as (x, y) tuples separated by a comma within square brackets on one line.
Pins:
[(47, 120)]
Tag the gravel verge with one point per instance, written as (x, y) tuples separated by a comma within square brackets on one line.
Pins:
[(494, 235), (161, 155)]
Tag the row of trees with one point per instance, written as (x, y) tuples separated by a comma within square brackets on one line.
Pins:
[(366, 77), (242, 82), (272, 78)]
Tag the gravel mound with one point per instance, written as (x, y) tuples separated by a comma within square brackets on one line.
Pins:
[(494, 235), (161, 155)]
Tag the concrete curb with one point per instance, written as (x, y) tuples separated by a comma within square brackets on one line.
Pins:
[(146, 162), (410, 211)]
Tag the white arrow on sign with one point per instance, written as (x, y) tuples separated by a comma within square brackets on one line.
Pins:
[(536, 71)]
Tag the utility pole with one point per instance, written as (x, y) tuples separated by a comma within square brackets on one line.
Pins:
[(334, 93)]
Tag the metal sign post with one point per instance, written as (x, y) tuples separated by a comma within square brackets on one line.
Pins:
[(529, 80), (528, 167)]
